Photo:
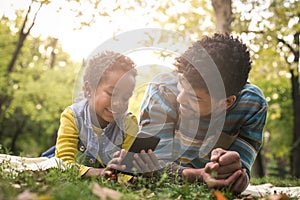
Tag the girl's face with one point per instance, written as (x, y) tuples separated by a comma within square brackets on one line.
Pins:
[(112, 95)]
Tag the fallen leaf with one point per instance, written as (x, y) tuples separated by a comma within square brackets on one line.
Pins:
[(245, 198), (151, 195), (17, 186), (281, 196), (219, 195), (45, 197), (105, 193), (27, 195)]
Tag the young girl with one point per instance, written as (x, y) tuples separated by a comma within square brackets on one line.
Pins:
[(92, 130)]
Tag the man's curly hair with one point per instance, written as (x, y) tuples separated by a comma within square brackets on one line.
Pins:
[(229, 54), (100, 64)]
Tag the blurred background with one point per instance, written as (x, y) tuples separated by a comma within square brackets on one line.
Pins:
[(44, 44)]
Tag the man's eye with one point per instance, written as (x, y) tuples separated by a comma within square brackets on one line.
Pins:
[(199, 99), (179, 87), (126, 99)]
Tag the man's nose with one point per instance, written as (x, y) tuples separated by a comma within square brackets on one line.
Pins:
[(180, 97), (118, 105)]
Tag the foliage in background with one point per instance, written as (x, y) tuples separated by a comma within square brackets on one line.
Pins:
[(33, 96), (262, 25), (274, 41), (35, 93)]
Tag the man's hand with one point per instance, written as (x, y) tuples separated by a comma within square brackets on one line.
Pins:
[(146, 163), (224, 163), (228, 171), (237, 182), (224, 170), (241, 183)]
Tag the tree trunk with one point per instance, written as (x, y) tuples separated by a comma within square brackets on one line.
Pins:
[(22, 37), (281, 167), (53, 53), (223, 14), (19, 128), (20, 44), (295, 162), (258, 166), (295, 149), (295, 155)]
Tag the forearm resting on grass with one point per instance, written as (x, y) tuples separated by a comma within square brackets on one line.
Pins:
[(237, 182), (223, 170)]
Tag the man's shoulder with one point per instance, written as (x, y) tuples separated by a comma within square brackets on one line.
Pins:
[(251, 99), (163, 84), (161, 94), (165, 78), (254, 88), (251, 91)]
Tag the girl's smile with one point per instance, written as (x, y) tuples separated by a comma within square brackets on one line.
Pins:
[(111, 98)]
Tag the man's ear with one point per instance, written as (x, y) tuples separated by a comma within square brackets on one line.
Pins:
[(87, 90), (230, 100)]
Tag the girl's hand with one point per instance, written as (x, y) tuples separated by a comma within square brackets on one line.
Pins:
[(98, 172), (110, 170), (115, 163)]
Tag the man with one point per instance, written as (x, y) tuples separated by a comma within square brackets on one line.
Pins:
[(209, 118)]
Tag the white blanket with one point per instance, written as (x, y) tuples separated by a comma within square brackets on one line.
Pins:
[(269, 189), (17, 163)]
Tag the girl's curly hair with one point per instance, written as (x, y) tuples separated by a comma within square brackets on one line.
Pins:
[(100, 64), (229, 54)]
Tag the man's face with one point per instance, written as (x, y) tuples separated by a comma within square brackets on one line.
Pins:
[(194, 103)]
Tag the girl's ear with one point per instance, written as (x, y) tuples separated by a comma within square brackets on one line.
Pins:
[(87, 90), (230, 100)]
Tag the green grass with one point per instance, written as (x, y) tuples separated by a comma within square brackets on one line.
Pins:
[(56, 184), (279, 182), (61, 185)]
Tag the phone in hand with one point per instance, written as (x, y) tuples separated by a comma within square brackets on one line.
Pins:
[(143, 141)]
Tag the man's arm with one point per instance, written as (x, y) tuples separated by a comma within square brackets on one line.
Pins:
[(158, 114), (226, 168), (250, 136), (251, 111)]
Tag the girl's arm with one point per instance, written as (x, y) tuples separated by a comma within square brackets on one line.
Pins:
[(67, 140)]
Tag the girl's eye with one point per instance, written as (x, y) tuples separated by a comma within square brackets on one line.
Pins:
[(109, 94)]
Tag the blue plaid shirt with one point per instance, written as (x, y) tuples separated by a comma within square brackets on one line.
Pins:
[(185, 142)]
